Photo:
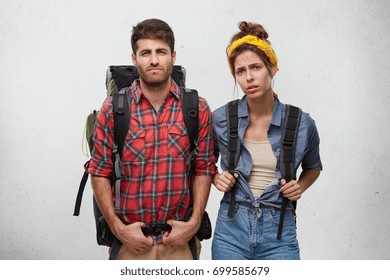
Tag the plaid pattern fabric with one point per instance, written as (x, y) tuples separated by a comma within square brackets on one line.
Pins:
[(154, 160)]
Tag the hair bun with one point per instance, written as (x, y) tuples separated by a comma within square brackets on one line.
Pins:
[(255, 29)]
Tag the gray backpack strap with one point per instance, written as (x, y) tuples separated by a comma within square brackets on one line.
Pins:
[(287, 154), (121, 107)]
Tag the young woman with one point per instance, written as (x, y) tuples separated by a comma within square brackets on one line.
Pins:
[(251, 232)]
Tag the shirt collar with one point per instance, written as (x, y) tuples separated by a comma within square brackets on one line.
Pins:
[(277, 114), (243, 111), (137, 92)]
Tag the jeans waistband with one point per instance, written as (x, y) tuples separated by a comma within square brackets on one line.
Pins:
[(263, 206)]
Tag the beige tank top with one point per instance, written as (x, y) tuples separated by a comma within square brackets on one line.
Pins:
[(264, 165)]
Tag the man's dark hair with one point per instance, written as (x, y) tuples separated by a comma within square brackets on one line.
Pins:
[(152, 29)]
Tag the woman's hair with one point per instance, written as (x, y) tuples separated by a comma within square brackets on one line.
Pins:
[(152, 29), (255, 29)]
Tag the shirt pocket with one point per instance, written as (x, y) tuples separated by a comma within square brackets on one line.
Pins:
[(178, 143), (136, 145)]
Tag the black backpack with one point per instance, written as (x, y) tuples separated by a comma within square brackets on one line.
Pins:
[(287, 152), (118, 81)]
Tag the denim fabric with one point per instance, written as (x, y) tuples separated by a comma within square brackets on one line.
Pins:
[(306, 152), (251, 234)]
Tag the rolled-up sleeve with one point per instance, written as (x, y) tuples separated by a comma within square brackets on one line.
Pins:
[(101, 160), (205, 159), (312, 159)]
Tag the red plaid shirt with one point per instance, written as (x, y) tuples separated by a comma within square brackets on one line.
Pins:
[(155, 153)]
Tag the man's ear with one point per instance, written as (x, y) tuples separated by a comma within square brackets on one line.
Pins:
[(134, 59), (174, 57)]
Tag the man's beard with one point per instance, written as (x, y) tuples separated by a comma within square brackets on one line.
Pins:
[(156, 80)]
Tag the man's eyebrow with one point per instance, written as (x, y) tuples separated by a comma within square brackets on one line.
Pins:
[(150, 50)]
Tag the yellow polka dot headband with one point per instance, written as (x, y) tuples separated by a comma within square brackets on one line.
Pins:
[(261, 44)]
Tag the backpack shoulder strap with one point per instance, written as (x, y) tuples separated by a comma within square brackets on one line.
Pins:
[(287, 153), (121, 111), (190, 109), (232, 128), (289, 136), (233, 147)]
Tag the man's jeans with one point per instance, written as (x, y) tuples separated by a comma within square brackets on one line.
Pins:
[(251, 234)]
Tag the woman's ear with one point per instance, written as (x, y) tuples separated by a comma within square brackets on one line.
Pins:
[(273, 72)]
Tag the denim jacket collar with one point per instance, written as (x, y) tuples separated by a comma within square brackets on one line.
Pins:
[(277, 114)]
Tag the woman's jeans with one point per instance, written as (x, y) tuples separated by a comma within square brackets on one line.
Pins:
[(251, 234)]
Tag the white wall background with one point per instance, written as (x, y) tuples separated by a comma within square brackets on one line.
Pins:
[(334, 61)]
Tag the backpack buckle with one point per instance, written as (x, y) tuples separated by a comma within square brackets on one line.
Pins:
[(115, 149), (288, 145), (192, 113), (233, 132)]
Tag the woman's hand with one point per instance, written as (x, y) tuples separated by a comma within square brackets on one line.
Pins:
[(225, 181), (291, 190)]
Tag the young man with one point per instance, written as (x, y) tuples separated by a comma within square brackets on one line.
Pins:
[(155, 191)]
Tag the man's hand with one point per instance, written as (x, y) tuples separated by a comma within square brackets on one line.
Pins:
[(133, 239), (180, 234)]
